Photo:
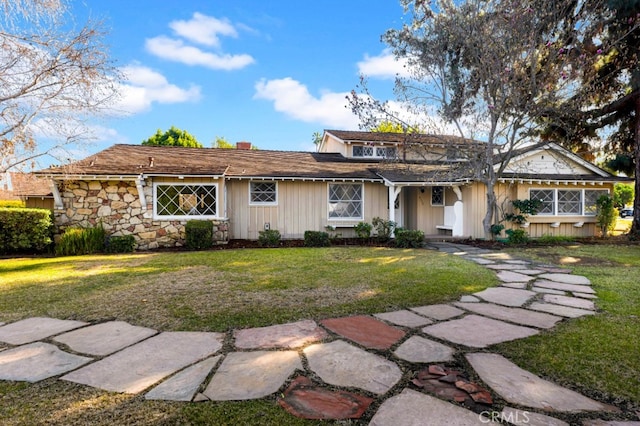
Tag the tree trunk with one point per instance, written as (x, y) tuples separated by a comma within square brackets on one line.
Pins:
[(635, 226)]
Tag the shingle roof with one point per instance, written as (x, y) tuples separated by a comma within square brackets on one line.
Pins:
[(23, 184), (421, 138), (138, 159)]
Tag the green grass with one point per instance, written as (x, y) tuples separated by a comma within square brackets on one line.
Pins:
[(221, 290), (596, 355)]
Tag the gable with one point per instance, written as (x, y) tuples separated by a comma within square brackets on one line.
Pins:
[(552, 160)]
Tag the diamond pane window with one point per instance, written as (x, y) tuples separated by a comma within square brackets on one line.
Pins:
[(590, 198), (185, 200), (363, 151), (389, 153), (546, 198), (345, 201), (569, 202), (437, 196), (263, 193)]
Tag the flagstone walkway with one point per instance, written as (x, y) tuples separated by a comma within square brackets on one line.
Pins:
[(394, 368)]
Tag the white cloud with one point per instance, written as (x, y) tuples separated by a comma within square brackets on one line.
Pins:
[(294, 100), (204, 29), (177, 51), (383, 66), (145, 86)]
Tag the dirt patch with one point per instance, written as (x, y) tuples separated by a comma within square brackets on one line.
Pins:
[(557, 259)]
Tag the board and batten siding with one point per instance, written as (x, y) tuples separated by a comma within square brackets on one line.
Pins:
[(302, 206)]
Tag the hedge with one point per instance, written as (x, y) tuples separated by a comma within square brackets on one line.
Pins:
[(24, 230)]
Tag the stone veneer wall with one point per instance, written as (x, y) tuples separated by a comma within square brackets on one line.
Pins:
[(117, 206)]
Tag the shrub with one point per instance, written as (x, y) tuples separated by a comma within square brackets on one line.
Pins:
[(269, 238), (517, 236), (77, 241), (406, 238), (363, 230), (384, 228), (24, 229), (120, 244), (199, 234), (555, 239), (12, 204), (316, 239), (606, 214)]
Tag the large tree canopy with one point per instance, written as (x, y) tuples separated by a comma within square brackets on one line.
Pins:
[(500, 70), (53, 77), (173, 137)]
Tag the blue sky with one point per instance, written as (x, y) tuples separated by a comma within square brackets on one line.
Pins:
[(271, 73)]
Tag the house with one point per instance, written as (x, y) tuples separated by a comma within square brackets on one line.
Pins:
[(33, 191), (421, 182)]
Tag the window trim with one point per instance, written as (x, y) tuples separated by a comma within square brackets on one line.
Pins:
[(345, 219), (375, 149), (156, 216), (263, 203), (582, 191)]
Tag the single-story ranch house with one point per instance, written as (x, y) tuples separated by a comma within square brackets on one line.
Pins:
[(151, 192)]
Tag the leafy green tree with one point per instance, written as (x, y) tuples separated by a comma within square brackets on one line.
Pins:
[(173, 137), (221, 142), (622, 195), (395, 127), (316, 138)]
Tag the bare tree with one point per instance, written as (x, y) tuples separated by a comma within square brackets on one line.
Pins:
[(485, 70), (53, 78)]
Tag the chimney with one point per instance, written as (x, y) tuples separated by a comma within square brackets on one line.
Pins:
[(243, 145)]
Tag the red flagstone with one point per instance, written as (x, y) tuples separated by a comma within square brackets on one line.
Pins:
[(305, 400), (365, 330)]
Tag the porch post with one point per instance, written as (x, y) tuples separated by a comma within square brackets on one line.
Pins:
[(57, 199), (458, 225), (394, 191)]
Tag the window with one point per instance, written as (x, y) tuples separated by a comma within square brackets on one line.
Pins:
[(363, 151), (345, 201), (437, 195), (378, 152), (180, 200), (568, 202), (546, 198), (263, 193), (590, 198)]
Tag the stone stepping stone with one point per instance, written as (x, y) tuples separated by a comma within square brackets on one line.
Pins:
[(481, 261), (438, 312), (513, 277), (609, 423), (521, 387), (37, 328), (567, 279), (137, 367), (184, 385), (527, 418), (342, 364), (515, 315), (564, 287), (37, 361), (517, 261), (563, 311), (547, 290), (478, 332), (305, 400), (506, 296), (419, 349), (365, 330), (287, 336), (404, 318), (530, 271), (515, 285), (411, 408), (252, 375), (469, 299), (504, 267), (572, 302), (104, 339), (585, 295)]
